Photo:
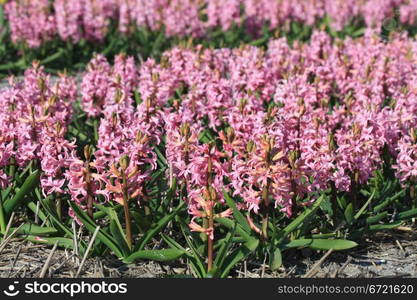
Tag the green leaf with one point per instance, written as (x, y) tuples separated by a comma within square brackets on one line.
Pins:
[(342, 202), (407, 214), (236, 213), (104, 237), (300, 219), (62, 242), (238, 255), (118, 234), (157, 227), (275, 260), (322, 244), (58, 224), (156, 255), (224, 248), (300, 243), (388, 201), (231, 225), (171, 242), (381, 227), (195, 259), (363, 208), (170, 195), (33, 229), (116, 228), (377, 218), (33, 207), (349, 213), (30, 183)]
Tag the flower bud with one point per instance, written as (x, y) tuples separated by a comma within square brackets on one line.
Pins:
[(356, 129), (213, 194), (413, 135), (331, 141), (292, 157), (230, 132), (242, 104), (185, 130), (155, 77), (250, 146), (124, 162), (88, 151)]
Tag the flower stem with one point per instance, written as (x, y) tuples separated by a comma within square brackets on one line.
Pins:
[(126, 210), (95, 124), (89, 194), (2, 217), (210, 244), (413, 199), (59, 207)]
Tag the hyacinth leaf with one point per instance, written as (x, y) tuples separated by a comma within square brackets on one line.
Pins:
[(196, 259), (342, 202), (5, 193), (116, 228), (136, 95), (169, 196), (230, 224), (142, 221), (376, 218), (226, 244), (53, 57), (171, 242), (236, 213), (300, 243), (380, 227), (103, 236), (33, 229), (323, 235), (388, 201), (163, 255), (30, 183), (321, 244), (238, 255), (62, 242), (349, 213), (118, 234), (33, 207), (157, 227), (297, 222), (363, 208), (407, 214), (47, 205), (158, 42), (275, 259)]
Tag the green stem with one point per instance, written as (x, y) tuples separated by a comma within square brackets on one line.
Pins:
[(95, 123), (334, 205), (126, 210), (12, 169), (2, 217), (59, 207), (89, 192), (210, 244), (53, 57)]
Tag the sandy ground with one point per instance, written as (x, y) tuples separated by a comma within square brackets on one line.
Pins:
[(385, 255)]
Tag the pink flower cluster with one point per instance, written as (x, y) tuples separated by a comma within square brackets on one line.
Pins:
[(34, 122), (290, 121), (270, 127), (35, 22)]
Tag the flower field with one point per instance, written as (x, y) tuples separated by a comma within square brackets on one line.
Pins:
[(207, 132)]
